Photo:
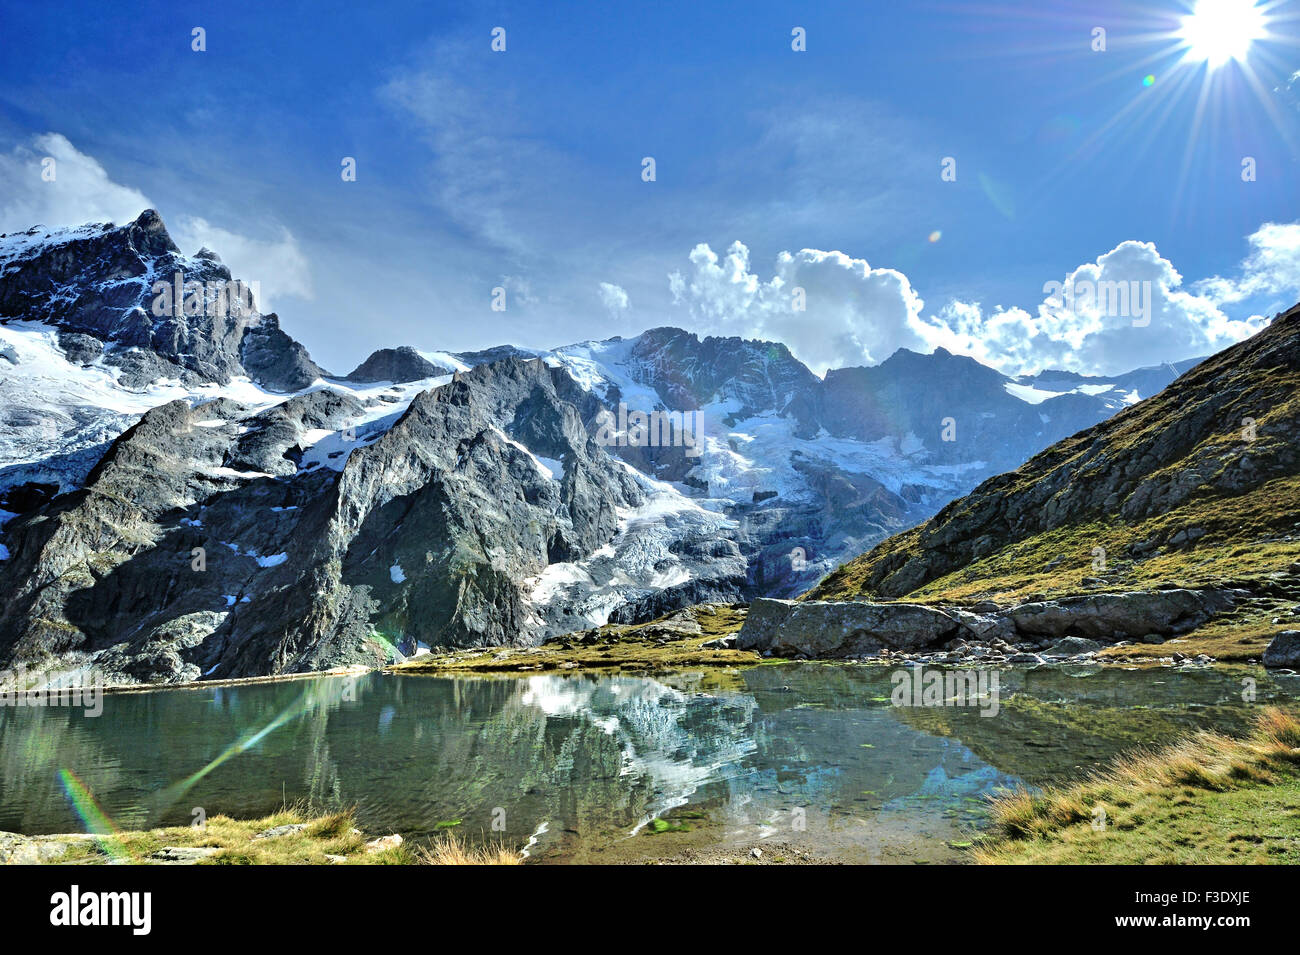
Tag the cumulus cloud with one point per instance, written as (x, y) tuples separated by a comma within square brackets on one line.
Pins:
[(830, 308), (76, 189), (614, 298), (1126, 309), (1272, 268), (278, 266)]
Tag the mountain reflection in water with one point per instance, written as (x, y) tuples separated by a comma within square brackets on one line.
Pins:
[(580, 764)]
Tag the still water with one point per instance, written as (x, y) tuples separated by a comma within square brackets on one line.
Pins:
[(578, 767)]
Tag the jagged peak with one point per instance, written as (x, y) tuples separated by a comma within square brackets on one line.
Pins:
[(146, 233)]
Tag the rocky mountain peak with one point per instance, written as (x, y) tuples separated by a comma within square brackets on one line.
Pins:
[(397, 365), (158, 313)]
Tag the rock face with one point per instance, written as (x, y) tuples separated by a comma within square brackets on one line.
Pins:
[(273, 359), (817, 471), (1284, 650), (396, 365), (216, 541), (96, 285), (1127, 616), (825, 630), (842, 629), (899, 394)]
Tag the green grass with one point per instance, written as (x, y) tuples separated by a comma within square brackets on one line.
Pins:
[(624, 647), (329, 834), (324, 835), (1207, 800), (1242, 541)]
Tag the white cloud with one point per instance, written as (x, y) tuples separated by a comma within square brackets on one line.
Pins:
[(1126, 309), (851, 313), (80, 191), (485, 169), (614, 298), (278, 266), (1272, 268)]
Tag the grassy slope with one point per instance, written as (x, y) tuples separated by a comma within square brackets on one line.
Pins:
[(1209, 799)]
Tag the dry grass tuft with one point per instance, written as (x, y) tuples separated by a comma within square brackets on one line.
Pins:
[(1155, 804), (452, 850)]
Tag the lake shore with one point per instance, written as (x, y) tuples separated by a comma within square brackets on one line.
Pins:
[(289, 837), (705, 636), (1209, 799)]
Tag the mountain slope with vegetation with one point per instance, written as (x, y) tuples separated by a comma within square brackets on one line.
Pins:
[(1197, 486)]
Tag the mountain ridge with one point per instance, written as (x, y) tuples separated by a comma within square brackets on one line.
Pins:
[(514, 519)]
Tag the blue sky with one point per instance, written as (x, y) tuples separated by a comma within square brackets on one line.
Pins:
[(522, 169)]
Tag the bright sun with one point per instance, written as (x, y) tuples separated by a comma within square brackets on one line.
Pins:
[(1217, 31)]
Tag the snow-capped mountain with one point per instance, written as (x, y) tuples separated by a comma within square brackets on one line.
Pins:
[(187, 494)]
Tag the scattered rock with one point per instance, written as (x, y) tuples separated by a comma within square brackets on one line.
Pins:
[(384, 842), (277, 831), (1072, 647), (185, 855), (1032, 658)]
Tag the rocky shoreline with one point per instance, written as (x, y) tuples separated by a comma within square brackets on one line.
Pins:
[(1033, 632)]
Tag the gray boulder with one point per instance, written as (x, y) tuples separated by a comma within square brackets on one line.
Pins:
[(1284, 650), (1069, 627), (1072, 646), (824, 629), (1124, 616)]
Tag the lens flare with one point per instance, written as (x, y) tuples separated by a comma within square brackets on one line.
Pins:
[(305, 702), (93, 817)]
